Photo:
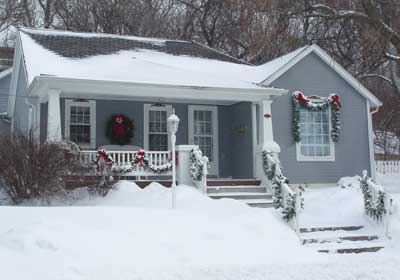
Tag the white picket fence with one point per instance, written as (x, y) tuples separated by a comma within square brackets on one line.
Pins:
[(388, 166)]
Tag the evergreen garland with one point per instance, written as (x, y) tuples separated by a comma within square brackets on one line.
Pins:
[(275, 175), (376, 209), (300, 101), (143, 160), (196, 164)]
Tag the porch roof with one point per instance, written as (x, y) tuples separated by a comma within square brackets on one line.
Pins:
[(85, 88)]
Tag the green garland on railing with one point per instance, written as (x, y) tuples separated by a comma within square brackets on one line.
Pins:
[(196, 165), (277, 179), (375, 210)]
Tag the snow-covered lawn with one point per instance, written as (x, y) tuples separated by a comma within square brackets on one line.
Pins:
[(133, 234)]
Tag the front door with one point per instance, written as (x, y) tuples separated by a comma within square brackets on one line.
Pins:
[(203, 132)]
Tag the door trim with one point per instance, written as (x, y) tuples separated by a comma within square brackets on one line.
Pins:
[(214, 109)]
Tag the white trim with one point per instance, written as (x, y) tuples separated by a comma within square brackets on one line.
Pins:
[(150, 107), (370, 142), (67, 117), (130, 90), (14, 79), (333, 64), (254, 128), (214, 170), (6, 72), (331, 157)]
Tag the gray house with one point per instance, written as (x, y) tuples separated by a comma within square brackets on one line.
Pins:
[(68, 85)]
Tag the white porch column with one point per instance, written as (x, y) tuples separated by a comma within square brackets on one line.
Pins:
[(183, 174), (267, 134), (54, 116)]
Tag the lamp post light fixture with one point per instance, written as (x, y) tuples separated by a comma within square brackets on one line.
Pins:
[(173, 123)]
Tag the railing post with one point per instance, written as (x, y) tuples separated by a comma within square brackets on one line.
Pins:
[(298, 210), (204, 178), (387, 215)]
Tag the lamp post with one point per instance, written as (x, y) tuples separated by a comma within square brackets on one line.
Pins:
[(173, 122)]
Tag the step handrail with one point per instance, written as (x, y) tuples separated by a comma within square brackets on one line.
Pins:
[(289, 200), (377, 202)]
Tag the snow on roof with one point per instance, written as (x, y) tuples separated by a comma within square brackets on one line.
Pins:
[(138, 63)]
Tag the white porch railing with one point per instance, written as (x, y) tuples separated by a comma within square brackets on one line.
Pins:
[(388, 166), (123, 159)]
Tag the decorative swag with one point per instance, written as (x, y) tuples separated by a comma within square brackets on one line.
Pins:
[(324, 103)]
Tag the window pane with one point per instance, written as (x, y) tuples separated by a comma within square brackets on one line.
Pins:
[(315, 133)]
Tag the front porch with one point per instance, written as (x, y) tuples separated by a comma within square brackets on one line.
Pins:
[(230, 127)]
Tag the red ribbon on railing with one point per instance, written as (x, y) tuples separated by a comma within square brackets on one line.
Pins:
[(104, 156), (139, 157)]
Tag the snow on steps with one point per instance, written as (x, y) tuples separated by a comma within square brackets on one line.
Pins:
[(340, 240), (247, 191)]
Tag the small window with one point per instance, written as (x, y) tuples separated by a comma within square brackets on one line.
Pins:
[(156, 127), (80, 122), (315, 133)]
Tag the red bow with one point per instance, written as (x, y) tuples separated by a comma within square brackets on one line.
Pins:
[(335, 101), (139, 158), (103, 155), (301, 98)]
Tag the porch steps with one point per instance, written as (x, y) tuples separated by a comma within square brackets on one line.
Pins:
[(246, 191), (340, 240)]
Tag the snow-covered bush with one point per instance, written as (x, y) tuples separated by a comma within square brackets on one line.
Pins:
[(31, 170)]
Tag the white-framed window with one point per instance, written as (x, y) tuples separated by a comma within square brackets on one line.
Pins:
[(315, 132), (80, 122), (156, 132)]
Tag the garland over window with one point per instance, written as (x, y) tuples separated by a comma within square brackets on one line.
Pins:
[(302, 102)]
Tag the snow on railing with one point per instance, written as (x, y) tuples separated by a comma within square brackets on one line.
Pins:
[(388, 166), (284, 196), (123, 159), (377, 201), (198, 169)]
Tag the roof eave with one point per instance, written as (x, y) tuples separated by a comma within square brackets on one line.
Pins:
[(358, 86), (41, 84)]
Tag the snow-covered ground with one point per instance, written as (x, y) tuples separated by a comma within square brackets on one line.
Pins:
[(133, 234)]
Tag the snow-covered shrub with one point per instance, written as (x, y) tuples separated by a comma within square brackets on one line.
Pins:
[(30, 170)]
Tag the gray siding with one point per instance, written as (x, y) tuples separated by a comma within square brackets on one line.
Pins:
[(21, 112), (313, 77)]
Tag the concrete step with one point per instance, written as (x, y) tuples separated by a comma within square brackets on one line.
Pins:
[(260, 203), (241, 195), (358, 250), (235, 189), (233, 182), (336, 239), (335, 228)]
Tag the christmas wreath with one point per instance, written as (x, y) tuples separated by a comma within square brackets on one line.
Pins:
[(120, 129), (332, 102)]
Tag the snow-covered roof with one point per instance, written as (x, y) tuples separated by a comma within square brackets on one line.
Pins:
[(115, 58), (130, 59)]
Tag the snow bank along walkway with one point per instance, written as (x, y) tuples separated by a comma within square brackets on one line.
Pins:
[(133, 234)]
